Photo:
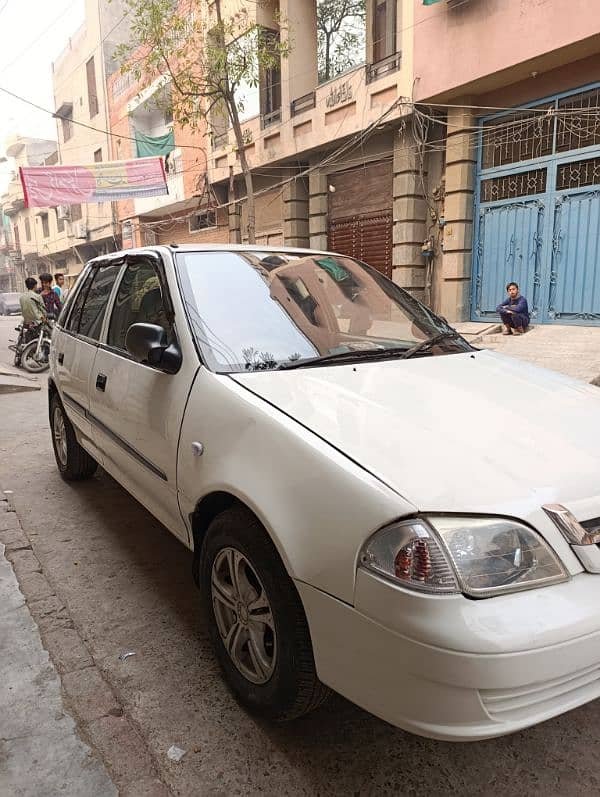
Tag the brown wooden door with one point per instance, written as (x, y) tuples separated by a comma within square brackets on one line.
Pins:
[(366, 237)]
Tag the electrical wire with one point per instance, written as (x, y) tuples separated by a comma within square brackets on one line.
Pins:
[(83, 124), (360, 138)]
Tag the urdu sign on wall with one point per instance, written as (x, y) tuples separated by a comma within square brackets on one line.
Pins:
[(48, 186), (339, 95)]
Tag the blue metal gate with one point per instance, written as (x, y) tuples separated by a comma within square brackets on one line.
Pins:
[(537, 210)]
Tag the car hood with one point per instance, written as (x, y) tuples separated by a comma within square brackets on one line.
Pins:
[(476, 432)]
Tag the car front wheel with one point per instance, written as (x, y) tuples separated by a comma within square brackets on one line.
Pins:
[(256, 620), (73, 461)]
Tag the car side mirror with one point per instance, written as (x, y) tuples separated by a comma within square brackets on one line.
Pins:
[(147, 344)]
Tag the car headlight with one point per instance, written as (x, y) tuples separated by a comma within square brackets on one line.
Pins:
[(480, 557)]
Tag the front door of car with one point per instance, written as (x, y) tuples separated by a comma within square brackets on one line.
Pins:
[(137, 410)]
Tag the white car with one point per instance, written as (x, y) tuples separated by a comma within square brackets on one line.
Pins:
[(374, 506)]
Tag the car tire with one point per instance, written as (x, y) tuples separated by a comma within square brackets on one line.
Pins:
[(73, 462), (285, 685)]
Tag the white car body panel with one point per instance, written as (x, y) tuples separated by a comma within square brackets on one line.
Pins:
[(448, 693), (477, 433), (317, 506), (150, 428), (145, 407), (73, 376)]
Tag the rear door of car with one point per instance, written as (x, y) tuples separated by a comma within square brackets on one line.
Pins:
[(137, 410), (75, 345)]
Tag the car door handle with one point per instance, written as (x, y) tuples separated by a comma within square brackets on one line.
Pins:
[(61, 358), (101, 382)]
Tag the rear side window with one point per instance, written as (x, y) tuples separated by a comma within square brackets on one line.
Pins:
[(139, 300), (75, 317), (96, 301)]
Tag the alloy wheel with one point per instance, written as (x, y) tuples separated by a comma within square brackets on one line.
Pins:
[(60, 436), (244, 616)]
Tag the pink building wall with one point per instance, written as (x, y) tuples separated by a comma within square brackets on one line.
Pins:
[(484, 44)]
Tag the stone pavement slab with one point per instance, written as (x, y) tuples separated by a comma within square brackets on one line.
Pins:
[(16, 380), (572, 350), (40, 751)]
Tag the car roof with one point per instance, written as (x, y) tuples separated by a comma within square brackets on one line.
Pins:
[(189, 248)]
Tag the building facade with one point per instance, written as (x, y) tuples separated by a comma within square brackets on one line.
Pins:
[(328, 138), (30, 230), (9, 280), (79, 82), (63, 238), (140, 114), (521, 193), (454, 146)]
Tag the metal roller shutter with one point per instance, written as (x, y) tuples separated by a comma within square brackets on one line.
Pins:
[(366, 237)]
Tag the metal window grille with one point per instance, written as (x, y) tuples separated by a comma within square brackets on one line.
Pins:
[(272, 118), (578, 174), (511, 186), (519, 136), (304, 103), (578, 121), (560, 125), (390, 64)]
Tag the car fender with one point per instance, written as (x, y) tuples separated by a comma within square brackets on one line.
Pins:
[(317, 505)]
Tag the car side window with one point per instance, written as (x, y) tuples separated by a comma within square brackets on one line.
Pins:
[(96, 301), (139, 300), (75, 316)]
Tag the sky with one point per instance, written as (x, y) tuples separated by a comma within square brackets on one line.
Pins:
[(33, 33)]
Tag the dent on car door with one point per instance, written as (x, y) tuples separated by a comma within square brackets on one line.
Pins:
[(137, 410)]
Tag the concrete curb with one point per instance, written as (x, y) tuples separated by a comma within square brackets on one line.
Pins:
[(89, 698), (486, 333), (467, 331), (12, 380)]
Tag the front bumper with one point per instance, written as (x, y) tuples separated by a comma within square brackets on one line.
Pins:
[(457, 669)]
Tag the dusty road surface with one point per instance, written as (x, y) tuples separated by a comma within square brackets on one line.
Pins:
[(125, 583)]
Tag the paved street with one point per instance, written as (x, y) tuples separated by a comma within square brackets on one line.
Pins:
[(573, 350), (123, 583)]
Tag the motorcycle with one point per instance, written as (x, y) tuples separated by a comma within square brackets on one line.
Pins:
[(32, 348)]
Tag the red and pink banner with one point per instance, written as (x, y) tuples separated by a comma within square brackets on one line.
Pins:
[(48, 186)]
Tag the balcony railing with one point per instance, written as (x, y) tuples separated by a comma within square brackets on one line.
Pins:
[(220, 139), (384, 67), (122, 83), (268, 119), (304, 103)]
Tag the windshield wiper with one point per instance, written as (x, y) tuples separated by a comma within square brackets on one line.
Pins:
[(351, 356), (449, 334), (371, 354)]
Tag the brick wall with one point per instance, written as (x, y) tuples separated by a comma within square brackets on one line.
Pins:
[(180, 233)]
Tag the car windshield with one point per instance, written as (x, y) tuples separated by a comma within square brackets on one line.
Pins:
[(257, 311)]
